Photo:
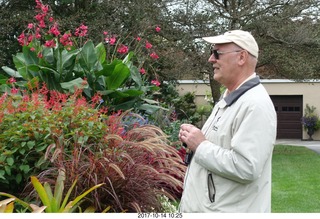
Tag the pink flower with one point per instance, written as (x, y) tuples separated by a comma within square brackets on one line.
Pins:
[(40, 55), (105, 32), (112, 40), (39, 17), (54, 30), (148, 45), (45, 8), (50, 43), (123, 49), (21, 39), (42, 24), (11, 80), (138, 38), (32, 49), (14, 90), (30, 26), (158, 29), (142, 71), (154, 55), (81, 31), (65, 39), (155, 82)]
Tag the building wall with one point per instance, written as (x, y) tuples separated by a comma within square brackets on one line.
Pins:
[(310, 90)]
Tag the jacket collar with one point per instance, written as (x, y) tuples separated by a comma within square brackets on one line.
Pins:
[(236, 94)]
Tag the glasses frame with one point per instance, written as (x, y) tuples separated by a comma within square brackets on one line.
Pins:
[(216, 53)]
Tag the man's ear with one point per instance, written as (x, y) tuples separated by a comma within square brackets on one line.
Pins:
[(244, 55)]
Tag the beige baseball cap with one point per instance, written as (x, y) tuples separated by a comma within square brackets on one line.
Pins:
[(244, 39)]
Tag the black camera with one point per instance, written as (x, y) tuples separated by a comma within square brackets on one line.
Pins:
[(189, 154)]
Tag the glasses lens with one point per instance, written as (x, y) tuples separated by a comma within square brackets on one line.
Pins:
[(214, 52)]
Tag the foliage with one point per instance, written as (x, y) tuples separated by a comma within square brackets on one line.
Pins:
[(310, 120), (53, 202), (69, 60), (135, 163), (30, 123), (46, 131)]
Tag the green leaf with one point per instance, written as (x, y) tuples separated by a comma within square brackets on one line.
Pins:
[(80, 197), (48, 55), (71, 85), (88, 58), (30, 56), (2, 173), (11, 72), (101, 52), (118, 77), (41, 192), (25, 168), (136, 76), (18, 178), (128, 57), (59, 187), (31, 144), (10, 161)]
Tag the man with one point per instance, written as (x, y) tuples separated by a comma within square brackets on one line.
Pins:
[(231, 166)]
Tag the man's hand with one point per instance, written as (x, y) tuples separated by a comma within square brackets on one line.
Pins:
[(191, 135)]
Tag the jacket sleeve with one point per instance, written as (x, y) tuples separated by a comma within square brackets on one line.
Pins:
[(253, 134)]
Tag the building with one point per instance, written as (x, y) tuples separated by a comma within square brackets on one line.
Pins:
[(289, 98)]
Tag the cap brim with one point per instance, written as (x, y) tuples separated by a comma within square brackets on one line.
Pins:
[(217, 39)]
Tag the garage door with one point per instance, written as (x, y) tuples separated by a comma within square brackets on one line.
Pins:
[(289, 112)]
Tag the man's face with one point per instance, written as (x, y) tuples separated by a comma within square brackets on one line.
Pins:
[(224, 60)]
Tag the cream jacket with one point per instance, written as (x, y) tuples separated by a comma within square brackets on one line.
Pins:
[(231, 170)]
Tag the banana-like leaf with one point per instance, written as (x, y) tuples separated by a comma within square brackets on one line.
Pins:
[(80, 197), (41, 192)]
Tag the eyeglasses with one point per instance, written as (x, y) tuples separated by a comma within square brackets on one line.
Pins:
[(217, 54)]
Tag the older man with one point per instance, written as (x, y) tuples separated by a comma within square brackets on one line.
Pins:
[(231, 166)]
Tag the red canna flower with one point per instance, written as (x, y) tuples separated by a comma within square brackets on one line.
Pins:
[(21, 39), (14, 90), (148, 45), (11, 80), (81, 31), (54, 30), (123, 49), (112, 40), (154, 55), (50, 43), (30, 26), (158, 29), (142, 71), (155, 82)]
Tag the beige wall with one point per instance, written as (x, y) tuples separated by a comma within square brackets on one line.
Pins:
[(309, 90)]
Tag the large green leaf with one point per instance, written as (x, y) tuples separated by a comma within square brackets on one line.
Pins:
[(101, 52), (48, 55), (41, 192), (30, 56), (88, 58), (119, 76), (136, 76), (66, 60), (71, 85), (12, 72), (108, 68)]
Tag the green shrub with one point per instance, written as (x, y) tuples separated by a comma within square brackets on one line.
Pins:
[(30, 123)]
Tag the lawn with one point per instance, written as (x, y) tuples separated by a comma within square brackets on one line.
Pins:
[(295, 180)]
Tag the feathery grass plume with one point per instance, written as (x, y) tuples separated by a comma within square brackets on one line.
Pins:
[(135, 162)]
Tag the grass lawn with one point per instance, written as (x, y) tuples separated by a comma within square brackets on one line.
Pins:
[(295, 180)]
